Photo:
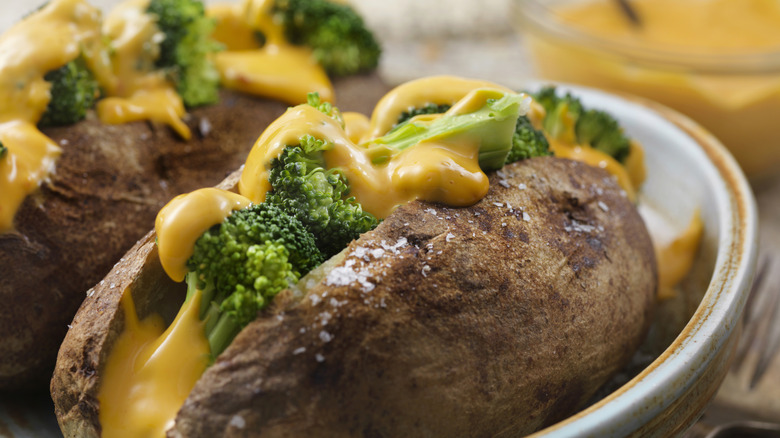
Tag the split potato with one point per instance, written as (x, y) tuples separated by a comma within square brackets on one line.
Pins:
[(109, 184), (492, 320)]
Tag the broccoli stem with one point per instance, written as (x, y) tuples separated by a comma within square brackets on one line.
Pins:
[(222, 334), (492, 124), (219, 328)]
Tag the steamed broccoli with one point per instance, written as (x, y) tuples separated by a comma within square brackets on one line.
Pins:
[(73, 91), (184, 52), (242, 263), (527, 141), (335, 32), (317, 197), (567, 119)]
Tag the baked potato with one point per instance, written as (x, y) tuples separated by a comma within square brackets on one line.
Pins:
[(489, 320), (110, 182)]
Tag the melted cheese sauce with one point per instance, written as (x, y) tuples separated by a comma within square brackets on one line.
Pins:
[(133, 89), (708, 26), (276, 69), (150, 372), (441, 170), (137, 91), (739, 106), (185, 218), (675, 258), (45, 41)]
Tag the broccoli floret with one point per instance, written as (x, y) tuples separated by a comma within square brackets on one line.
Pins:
[(242, 263), (73, 91), (317, 197), (527, 142), (313, 99), (568, 120), (184, 52), (335, 32)]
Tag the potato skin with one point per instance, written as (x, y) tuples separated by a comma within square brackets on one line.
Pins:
[(109, 184), (492, 320)]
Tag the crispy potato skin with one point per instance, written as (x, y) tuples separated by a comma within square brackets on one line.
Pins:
[(492, 320), (109, 184)]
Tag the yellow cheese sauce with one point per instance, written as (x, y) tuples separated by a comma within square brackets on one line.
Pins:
[(120, 51), (275, 69), (137, 90), (708, 26), (675, 258), (151, 371), (736, 104), (45, 41), (443, 170), (182, 221)]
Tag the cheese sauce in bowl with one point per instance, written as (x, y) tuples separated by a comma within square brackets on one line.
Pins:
[(716, 61)]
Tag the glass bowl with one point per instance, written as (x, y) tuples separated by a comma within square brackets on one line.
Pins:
[(735, 94)]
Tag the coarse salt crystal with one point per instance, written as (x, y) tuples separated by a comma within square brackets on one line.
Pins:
[(325, 336), (299, 350), (237, 421)]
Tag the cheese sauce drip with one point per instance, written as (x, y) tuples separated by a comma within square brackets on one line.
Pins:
[(185, 218), (47, 40), (275, 69), (137, 90), (151, 371)]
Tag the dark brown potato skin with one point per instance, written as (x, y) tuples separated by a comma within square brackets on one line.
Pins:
[(109, 184), (486, 322)]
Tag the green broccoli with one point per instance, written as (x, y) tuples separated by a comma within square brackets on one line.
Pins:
[(317, 197), (527, 141), (566, 117), (494, 124), (184, 53), (73, 91), (242, 263), (303, 187), (335, 32)]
